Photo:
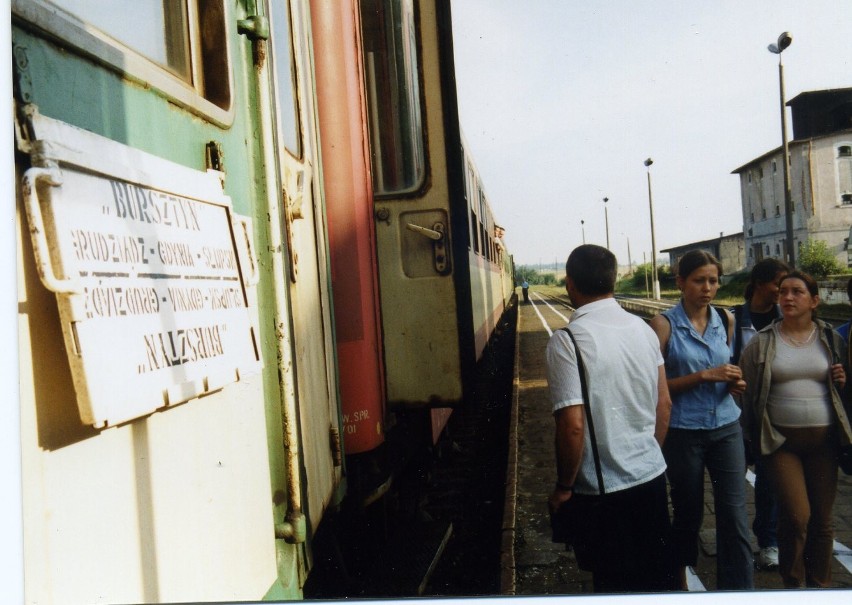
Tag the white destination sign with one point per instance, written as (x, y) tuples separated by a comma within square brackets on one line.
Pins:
[(152, 291)]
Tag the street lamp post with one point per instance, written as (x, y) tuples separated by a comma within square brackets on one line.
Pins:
[(629, 259), (648, 163), (583, 229), (606, 222), (784, 41)]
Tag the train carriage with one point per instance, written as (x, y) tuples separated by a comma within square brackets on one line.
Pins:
[(181, 430), (441, 267), (252, 249)]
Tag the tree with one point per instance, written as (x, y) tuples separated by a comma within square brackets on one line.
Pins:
[(817, 260)]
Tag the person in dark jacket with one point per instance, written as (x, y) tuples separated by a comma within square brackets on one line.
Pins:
[(758, 311)]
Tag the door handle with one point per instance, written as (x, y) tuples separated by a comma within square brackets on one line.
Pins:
[(430, 233)]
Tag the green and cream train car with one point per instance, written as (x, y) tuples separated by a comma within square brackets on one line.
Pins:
[(180, 422), (253, 250)]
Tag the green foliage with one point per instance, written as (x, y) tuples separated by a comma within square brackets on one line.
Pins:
[(534, 278), (636, 281), (817, 260)]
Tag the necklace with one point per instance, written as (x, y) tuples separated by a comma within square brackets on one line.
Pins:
[(795, 342)]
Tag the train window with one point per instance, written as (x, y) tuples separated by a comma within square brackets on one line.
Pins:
[(186, 38), (158, 30), (285, 72), (393, 95), (473, 237)]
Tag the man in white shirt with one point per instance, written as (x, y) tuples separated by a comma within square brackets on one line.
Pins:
[(627, 547)]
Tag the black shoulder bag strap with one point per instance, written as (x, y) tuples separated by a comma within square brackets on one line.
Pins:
[(725, 322), (738, 333), (835, 358), (581, 368)]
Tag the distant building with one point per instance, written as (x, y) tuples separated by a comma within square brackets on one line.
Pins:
[(729, 249), (821, 181)]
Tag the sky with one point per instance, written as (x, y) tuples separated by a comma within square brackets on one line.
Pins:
[(561, 102)]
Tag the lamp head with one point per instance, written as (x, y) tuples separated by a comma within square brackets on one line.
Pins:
[(648, 162), (606, 199), (784, 40)]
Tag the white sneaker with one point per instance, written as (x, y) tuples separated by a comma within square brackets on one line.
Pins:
[(767, 558)]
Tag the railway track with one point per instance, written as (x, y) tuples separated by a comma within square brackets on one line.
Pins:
[(647, 308)]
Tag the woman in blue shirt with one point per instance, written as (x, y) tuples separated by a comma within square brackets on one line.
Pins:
[(704, 430)]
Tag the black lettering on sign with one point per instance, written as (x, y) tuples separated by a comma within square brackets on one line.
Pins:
[(108, 247), (219, 258), (225, 298), (127, 249), (176, 254), (186, 299), (118, 302), (147, 206), (181, 346), (141, 300), (90, 245)]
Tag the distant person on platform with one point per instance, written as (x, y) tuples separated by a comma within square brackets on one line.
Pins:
[(525, 288), (628, 548), (758, 311)]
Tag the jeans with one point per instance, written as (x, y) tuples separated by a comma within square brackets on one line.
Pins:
[(720, 451), (765, 526)]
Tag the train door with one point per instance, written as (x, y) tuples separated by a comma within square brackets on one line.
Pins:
[(305, 235), (419, 275)]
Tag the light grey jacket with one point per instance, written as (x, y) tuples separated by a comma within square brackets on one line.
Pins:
[(756, 363)]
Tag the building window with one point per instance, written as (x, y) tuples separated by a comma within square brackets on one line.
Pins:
[(774, 166), (844, 174), (777, 210), (777, 249), (763, 212)]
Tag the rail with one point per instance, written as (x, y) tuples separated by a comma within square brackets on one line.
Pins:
[(648, 308)]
